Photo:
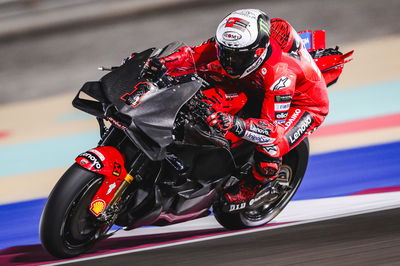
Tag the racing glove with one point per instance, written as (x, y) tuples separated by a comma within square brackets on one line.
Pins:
[(257, 131), (154, 68), (226, 122)]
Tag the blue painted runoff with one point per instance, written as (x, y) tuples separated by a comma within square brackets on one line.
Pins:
[(328, 175)]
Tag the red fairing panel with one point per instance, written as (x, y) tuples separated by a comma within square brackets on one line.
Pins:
[(331, 66), (110, 163), (106, 160)]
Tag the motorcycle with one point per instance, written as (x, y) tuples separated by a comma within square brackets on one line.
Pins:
[(158, 162)]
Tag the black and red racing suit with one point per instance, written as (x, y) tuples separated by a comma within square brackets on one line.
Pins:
[(288, 85)]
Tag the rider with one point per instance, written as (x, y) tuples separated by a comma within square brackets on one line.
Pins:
[(266, 60)]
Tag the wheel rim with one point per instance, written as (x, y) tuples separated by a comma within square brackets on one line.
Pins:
[(80, 227), (267, 212)]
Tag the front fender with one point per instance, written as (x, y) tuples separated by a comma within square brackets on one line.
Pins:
[(106, 160), (110, 163)]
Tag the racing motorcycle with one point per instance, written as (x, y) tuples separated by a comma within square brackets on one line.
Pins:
[(158, 162)]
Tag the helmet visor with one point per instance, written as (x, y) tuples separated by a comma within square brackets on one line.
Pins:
[(235, 62)]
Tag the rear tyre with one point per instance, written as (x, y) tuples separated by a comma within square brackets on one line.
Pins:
[(294, 167), (67, 228)]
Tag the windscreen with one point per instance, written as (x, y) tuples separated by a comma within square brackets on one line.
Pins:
[(179, 60)]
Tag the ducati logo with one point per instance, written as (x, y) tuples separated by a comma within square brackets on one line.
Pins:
[(264, 71)]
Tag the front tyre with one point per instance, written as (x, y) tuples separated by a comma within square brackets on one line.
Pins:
[(67, 228), (293, 168)]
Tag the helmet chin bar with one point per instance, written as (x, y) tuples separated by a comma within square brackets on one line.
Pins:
[(256, 64)]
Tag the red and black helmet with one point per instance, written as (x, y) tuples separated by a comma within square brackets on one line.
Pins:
[(242, 39)]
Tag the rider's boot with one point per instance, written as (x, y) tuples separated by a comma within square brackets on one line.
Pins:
[(254, 189)]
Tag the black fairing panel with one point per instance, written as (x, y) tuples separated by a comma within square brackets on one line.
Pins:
[(123, 79), (108, 91), (155, 117), (204, 163), (150, 123), (93, 89)]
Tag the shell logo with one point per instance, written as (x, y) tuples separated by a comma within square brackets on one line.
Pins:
[(97, 206)]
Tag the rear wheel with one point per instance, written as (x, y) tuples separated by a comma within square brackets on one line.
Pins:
[(67, 228), (292, 172)]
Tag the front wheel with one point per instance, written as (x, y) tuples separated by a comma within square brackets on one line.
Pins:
[(67, 228), (293, 170)]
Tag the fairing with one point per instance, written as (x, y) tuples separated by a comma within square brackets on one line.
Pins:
[(330, 63), (110, 163), (145, 111), (155, 117)]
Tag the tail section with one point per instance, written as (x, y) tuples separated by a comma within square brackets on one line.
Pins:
[(329, 60)]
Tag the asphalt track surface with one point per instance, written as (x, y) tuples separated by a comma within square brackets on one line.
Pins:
[(366, 239)]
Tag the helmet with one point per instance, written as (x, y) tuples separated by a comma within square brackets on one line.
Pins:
[(242, 40)]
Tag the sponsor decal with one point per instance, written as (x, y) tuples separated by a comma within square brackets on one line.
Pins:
[(281, 115), (299, 129), (83, 161), (263, 123), (237, 23), (117, 169), (257, 138), (281, 83), (99, 154), (281, 106), (231, 36), (247, 13), (97, 206), (281, 121), (263, 71), (235, 207), (264, 26), (93, 158), (306, 38), (292, 118), (259, 197), (133, 98), (283, 98), (259, 130), (270, 149), (240, 128), (231, 95), (116, 123), (111, 188)]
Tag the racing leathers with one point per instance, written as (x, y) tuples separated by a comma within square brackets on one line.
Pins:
[(287, 95)]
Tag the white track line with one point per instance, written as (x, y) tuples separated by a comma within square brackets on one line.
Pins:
[(360, 205)]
